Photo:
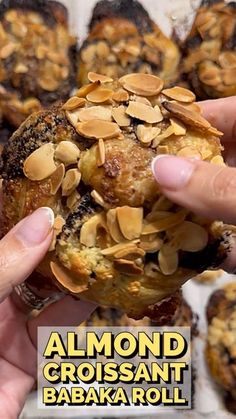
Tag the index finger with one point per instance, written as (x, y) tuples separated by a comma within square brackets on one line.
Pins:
[(221, 113)]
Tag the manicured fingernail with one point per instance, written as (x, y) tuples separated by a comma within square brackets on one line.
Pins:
[(172, 172), (34, 229)]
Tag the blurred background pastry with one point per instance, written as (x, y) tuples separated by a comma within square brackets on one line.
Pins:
[(221, 341), (209, 63), (123, 39), (37, 58)]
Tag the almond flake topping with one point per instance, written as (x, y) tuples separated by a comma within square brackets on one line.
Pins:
[(190, 237), (74, 103), (70, 182), (164, 223), (119, 115), (101, 155), (168, 260), (144, 112), (130, 221), (57, 178), (88, 88), (113, 226), (146, 133), (40, 164), (93, 77), (98, 129), (142, 84), (100, 95), (66, 279), (180, 94), (127, 267), (88, 233), (67, 152), (95, 112)]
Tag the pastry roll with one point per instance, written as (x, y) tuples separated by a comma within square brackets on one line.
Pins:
[(37, 53), (124, 39), (221, 341), (209, 62), (118, 241)]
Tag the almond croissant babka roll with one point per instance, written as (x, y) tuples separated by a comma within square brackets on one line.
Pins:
[(123, 39), (118, 241), (37, 62), (221, 342), (209, 63)]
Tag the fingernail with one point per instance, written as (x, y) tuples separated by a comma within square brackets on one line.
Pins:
[(172, 172), (34, 229)]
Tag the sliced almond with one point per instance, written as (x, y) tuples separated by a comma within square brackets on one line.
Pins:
[(21, 69), (130, 221), (73, 117), (227, 59), (73, 199), (57, 178), (48, 83), (164, 223), (119, 115), (101, 154), (98, 129), (88, 232), (7, 50), (74, 103), (144, 112), (127, 267), (157, 215), (85, 90), (57, 227), (131, 254), (142, 84), (190, 152), (40, 164), (146, 134), (218, 160), (210, 76), (151, 245), (113, 226), (88, 53), (187, 116), (165, 134), (168, 260), (100, 95), (178, 126), (193, 107), (120, 96), (180, 94), (67, 152), (229, 76), (191, 237), (67, 280), (70, 181), (98, 198), (95, 112), (93, 77), (141, 100), (111, 251)]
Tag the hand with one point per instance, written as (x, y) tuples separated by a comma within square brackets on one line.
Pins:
[(206, 189), (20, 252)]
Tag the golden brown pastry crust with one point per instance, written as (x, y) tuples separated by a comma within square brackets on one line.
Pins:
[(209, 63), (117, 241), (123, 39), (37, 57), (221, 342)]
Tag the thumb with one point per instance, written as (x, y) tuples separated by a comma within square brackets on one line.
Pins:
[(23, 247), (206, 189)]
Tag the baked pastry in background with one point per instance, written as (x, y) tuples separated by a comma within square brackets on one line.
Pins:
[(104, 316), (123, 39), (37, 57), (117, 240), (208, 277), (209, 62), (221, 341)]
